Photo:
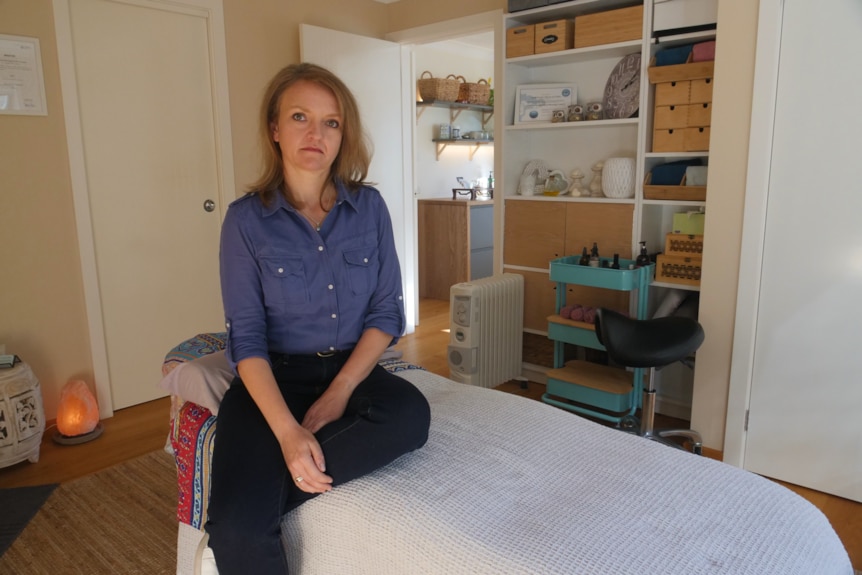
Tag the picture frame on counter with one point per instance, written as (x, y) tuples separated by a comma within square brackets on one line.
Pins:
[(536, 103)]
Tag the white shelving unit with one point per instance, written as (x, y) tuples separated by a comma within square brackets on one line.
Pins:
[(566, 146)]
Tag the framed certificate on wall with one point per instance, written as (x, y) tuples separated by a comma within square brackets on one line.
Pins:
[(537, 102), (22, 85)]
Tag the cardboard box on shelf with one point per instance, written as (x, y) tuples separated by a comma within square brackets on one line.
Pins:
[(520, 41), (553, 36), (689, 223), (609, 27)]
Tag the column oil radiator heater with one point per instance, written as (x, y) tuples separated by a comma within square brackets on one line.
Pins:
[(486, 330)]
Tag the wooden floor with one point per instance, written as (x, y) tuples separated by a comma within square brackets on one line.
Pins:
[(141, 429)]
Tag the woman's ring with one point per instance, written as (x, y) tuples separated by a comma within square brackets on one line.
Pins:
[(298, 479)]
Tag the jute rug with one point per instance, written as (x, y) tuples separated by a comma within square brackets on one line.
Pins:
[(120, 521)]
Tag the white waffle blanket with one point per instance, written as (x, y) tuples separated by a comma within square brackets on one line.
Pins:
[(507, 485)]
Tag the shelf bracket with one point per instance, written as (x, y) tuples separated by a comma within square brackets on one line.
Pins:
[(419, 111), (454, 113), (473, 150), (486, 117), (440, 147)]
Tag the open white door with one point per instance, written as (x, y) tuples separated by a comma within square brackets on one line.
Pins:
[(372, 69), (797, 339)]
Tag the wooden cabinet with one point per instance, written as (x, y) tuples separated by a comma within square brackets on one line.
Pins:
[(455, 244), (539, 231)]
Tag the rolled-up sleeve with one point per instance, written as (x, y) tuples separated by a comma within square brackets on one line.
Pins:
[(242, 295), (386, 307)]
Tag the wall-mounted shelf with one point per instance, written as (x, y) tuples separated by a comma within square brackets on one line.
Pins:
[(474, 145), (455, 109)]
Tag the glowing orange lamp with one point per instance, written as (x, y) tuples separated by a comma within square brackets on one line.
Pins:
[(77, 415)]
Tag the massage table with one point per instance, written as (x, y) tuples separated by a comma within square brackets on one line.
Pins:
[(509, 485)]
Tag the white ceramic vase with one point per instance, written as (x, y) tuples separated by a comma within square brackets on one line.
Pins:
[(618, 178)]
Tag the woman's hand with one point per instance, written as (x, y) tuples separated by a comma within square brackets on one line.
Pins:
[(329, 407), (305, 461)]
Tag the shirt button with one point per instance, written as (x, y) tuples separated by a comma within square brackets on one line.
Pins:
[(281, 270), (400, 298), (227, 324), (331, 348), (320, 248), (333, 316), (365, 260)]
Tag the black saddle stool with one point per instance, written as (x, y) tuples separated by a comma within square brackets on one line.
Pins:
[(653, 344)]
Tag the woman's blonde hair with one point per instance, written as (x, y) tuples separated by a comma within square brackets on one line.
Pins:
[(350, 165)]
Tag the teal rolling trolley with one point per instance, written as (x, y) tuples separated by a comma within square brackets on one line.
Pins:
[(607, 393)]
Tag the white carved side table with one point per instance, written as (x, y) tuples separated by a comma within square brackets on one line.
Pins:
[(22, 417)]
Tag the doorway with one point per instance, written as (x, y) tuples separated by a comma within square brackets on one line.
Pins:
[(466, 47)]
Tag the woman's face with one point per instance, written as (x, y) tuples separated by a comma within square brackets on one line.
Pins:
[(308, 129)]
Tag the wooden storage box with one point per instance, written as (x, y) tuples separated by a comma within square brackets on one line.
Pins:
[(675, 72), (670, 117), (673, 93), (678, 269), (680, 192), (701, 91), (681, 140), (698, 114), (671, 140), (553, 36), (609, 27), (683, 245), (696, 139), (520, 41)]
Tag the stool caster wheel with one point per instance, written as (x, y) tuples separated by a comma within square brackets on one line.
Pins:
[(629, 423)]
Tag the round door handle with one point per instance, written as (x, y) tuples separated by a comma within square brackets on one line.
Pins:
[(209, 205)]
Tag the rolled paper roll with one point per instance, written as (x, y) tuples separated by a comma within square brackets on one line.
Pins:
[(589, 315), (566, 312)]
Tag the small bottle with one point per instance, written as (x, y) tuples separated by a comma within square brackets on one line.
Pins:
[(616, 264), (491, 180), (585, 258), (643, 257), (594, 256)]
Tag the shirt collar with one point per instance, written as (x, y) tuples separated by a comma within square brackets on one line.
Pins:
[(280, 202)]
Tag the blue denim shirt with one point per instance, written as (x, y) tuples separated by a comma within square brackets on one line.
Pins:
[(288, 288)]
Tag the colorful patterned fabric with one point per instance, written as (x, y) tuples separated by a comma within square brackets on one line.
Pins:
[(198, 346), (193, 431)]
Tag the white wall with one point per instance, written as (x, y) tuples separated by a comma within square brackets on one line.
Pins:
[(435, 179)]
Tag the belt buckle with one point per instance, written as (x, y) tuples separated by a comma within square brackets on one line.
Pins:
[(325, 353)]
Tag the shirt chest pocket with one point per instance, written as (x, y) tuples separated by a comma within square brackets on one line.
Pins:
[(362, 269), (283, 281)]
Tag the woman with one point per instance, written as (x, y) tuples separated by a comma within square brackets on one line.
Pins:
[(312, 296)]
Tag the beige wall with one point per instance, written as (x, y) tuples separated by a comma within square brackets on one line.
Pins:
[(728, 165), (414, 13), (42, 313)]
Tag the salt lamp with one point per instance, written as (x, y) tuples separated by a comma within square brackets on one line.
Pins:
[(77, 414)]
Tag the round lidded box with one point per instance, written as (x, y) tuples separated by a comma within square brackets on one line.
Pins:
[(22, 416)]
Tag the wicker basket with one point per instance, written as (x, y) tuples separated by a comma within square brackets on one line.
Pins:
[(474, 92), (444, 89)]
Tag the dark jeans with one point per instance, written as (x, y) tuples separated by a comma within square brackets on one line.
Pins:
[(251, 486)]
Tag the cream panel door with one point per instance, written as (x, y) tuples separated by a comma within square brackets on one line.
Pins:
[(148, 125)]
